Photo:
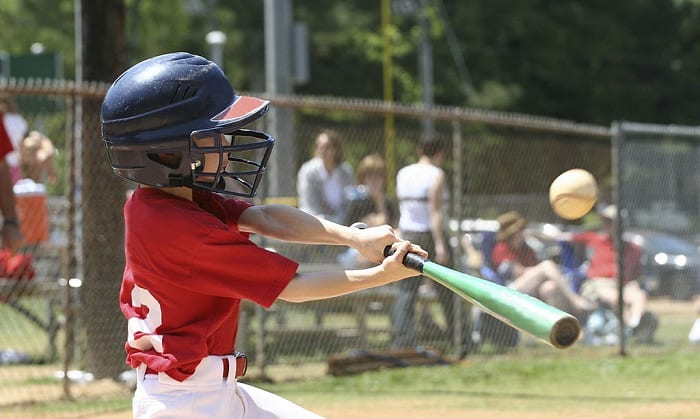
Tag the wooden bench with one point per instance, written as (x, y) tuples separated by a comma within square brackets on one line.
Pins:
[(356, 330)]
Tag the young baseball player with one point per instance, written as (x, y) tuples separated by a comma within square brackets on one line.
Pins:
[(174, 125)]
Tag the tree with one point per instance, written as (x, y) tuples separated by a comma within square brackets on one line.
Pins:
[(103, 195)]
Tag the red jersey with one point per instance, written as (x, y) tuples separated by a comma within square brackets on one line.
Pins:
[(603, 262), (5, 143), (187, 270), (502, 252)]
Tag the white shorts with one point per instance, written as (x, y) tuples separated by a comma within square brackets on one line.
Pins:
[(207, 395)]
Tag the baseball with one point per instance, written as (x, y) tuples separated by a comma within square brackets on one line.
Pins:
[(573, 193)]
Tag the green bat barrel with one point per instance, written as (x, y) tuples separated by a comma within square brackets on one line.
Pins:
[(521, 311)]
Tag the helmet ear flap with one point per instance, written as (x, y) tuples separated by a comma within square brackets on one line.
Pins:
[(169, 160)]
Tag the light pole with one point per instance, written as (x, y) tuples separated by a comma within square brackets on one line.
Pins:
[(216, 41), (279, 81)]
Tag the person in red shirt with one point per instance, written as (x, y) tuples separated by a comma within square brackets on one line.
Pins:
[(174, 125), (521, 270), (601, 276), (12, 237)]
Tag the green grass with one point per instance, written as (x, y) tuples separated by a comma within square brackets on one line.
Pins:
[(644, 376), (575, 386), (532, 381), (18, 333), (557, 384)]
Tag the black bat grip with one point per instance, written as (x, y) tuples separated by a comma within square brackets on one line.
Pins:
[(411, 260)]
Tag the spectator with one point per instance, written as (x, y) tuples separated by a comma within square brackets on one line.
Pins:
[(11, 234), (368, 203), (601, 278), (37, 155), (16, 129), (422, 194), (322, 181), (517, 264)]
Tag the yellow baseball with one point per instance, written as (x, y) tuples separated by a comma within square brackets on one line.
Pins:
[(573, 193)]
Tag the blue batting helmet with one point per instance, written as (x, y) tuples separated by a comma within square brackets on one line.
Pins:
[(162, 106)]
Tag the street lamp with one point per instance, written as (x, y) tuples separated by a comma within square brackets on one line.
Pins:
[(216, 41)]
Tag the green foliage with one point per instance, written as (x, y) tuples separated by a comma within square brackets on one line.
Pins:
[(18, 333), (48, 22), (591, 61)]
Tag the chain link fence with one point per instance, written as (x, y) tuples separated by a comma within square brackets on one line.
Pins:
[(655, 174), (63, 328)]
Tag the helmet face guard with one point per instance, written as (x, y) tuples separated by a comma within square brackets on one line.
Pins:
[(242, 160)]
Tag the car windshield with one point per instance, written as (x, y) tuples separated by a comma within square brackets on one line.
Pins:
[(664, 243)]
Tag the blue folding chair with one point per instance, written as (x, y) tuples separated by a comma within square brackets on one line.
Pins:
[(489, 328), (571, 266)]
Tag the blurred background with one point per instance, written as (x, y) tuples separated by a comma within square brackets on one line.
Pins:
[(520, 90)]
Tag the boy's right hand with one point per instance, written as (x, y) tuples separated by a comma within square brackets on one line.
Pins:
[(393, 264), (370, 242)]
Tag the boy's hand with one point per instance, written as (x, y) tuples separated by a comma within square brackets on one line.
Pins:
[(370, 242), (393, 264)]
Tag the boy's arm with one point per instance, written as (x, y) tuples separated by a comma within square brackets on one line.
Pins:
[(293, 225), (320, 285)]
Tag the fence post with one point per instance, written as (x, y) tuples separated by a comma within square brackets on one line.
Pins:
[(458, 174), (260, 340), (616, 171)]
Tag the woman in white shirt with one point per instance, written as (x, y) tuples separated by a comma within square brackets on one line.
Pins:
[(422, 194), (322, 181)]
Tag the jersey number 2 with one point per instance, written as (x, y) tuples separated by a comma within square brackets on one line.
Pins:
[(146, 326)]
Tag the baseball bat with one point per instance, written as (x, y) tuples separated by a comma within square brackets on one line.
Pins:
[(521, 311)]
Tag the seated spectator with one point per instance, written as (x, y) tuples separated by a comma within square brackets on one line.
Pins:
[(323, 180), (368, 201), (37, 155), (518, 265), (368, 204), (601, 281)]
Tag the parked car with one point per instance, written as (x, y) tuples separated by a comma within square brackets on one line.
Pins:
[(670, 264)]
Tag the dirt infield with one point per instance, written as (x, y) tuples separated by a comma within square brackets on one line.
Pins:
[(428, 408)]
